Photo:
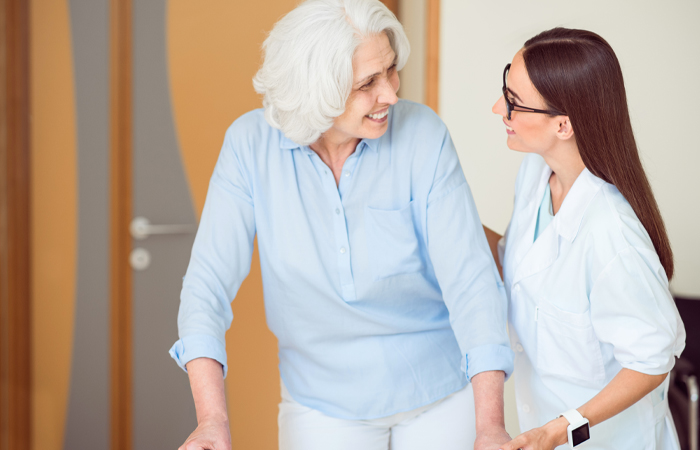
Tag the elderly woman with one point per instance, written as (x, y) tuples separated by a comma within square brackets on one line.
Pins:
[(378, 279)]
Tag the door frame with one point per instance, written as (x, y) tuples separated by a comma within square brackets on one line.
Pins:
[(121, 142), (15, 221), (432, 55)]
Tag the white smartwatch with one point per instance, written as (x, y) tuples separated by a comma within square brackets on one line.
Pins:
[(578, 430)]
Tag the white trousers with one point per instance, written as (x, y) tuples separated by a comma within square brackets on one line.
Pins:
[(447, 424)]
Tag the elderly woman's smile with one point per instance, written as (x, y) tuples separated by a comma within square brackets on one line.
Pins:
[(379, 116)]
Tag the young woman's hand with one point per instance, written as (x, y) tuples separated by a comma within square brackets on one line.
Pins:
[(546, 437)]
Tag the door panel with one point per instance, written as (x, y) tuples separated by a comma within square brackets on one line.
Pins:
[(54, 218), (163, 411), (193, 65), (87, 424), (213, 54)]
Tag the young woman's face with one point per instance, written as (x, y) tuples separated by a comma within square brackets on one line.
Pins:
[(527, 132)]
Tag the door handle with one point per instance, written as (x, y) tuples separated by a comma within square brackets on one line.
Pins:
[(141, 228)]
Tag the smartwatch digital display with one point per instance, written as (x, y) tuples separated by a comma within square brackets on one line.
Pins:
[(580, 435), (578, 430)]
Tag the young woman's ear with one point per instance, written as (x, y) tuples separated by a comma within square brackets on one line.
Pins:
[(565, 131)]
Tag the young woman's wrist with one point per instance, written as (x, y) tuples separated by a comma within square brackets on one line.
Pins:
[(556, 430)]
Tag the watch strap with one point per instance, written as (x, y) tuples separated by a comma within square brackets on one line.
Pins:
[(573, 416)]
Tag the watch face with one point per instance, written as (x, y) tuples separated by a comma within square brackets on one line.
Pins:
[(580, 434)]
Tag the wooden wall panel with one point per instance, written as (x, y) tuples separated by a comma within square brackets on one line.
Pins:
[(54, 218)]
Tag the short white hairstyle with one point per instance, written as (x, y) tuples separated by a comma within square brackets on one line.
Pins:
[(306, 75)]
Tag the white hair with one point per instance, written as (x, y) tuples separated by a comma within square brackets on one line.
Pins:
[(306, 75)]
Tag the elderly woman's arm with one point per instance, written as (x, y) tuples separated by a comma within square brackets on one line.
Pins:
[(475, 298), (488, 403), (207, 383), (220, 261), (492, 237)]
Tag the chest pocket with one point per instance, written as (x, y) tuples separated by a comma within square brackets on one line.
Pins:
[(392, 243), (567, 347)]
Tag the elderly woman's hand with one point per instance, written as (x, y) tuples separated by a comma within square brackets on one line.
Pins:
[(207, 381), (209, 435), (546, 437), (491, 439)]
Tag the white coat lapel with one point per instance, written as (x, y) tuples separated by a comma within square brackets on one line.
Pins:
[(526, 252), (544, 251)]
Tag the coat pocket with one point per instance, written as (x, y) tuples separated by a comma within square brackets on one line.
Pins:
[(567, 347), (392, 242)]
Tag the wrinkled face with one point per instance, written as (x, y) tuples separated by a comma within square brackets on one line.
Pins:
[(374, 87), (527, 132)]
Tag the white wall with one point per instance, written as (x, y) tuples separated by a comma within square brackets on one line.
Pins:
[(658, 45)]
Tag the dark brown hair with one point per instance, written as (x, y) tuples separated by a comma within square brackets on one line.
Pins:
[(577, 72)]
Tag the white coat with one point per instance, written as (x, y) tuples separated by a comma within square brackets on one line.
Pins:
[(586, 299)]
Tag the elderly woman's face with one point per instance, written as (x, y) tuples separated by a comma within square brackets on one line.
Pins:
[(375, 82)]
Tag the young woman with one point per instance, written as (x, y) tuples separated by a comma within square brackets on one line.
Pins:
[(586, 259)]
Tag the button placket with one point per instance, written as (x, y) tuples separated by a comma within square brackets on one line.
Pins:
[(340, 229), (349, 168), (342, 240)]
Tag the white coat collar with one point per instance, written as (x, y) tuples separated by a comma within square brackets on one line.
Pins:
[(533, 257), (573, 208)]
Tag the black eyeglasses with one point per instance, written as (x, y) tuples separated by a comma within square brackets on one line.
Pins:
[(510, 107)]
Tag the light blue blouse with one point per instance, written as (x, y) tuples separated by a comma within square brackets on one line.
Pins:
[(381, 291)]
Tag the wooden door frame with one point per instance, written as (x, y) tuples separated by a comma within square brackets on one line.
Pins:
[(393, 6), (15, 239), (432, 55), (121, 310)]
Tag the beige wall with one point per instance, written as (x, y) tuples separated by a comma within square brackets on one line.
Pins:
[(658, 45)]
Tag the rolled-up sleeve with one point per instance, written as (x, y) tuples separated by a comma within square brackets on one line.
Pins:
[(465, 270), (632, 309), (220, 261)]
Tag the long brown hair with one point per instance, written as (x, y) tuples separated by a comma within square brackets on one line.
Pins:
[(577, 72)]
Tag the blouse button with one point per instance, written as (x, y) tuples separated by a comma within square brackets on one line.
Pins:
[(342, 249), (337, 210), (526, 408), (519, 348)]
